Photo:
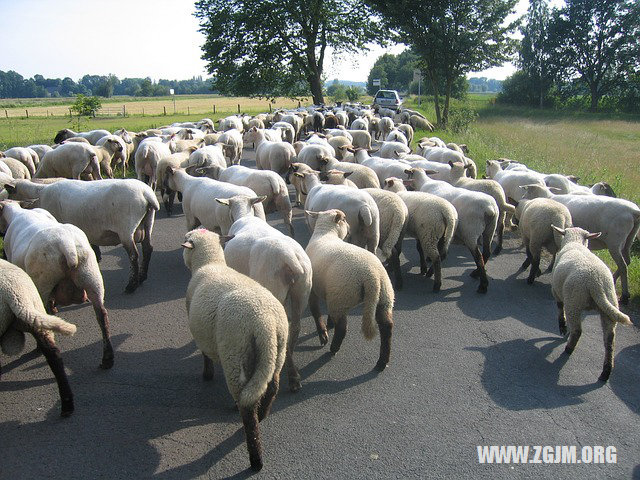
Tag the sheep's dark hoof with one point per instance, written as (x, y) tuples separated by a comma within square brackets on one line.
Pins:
[(67, 407), (563, 331), (294, 385), (324, 337), (106, 364), (380, 366), (531, 279), (482, 289), (568, 350), (330, 322), (130, 288), (256, 464), (475, 273), (624, 299), (604, 376), (436, 287)]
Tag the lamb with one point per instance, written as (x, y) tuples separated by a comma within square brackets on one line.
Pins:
[(69, 160), (360, 138), (360, 209), (276, 156), (148, 154), (238, 323), (21, 310), (16, 168), (488, 186), (535, 219), (432, 221), (198, 199), (477, 218), (263, 182), (118, 151), (59, 260), (618, 221), (361, 175), (92, 136), (278, 263), (175, 160), (345, 276), (581, 281), (233, 145), (109, 212), (26, 156), (297, 181)]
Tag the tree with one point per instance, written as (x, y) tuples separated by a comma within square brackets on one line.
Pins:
[(270, 49), (451, 37), (394, 71), (597, 41), (536, 50), (86, 105), (353, 93)]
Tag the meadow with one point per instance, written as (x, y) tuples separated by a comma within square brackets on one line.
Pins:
[(595, 147)]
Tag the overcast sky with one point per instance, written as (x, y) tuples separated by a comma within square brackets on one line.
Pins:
[(129, 38)]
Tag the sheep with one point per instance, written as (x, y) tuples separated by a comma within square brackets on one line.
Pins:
[(148, 154), (407, 130), (4, 168), (69, 160), (361, 175), (198, 199), (16, 168), (263, 182), (396, 135), (278, 263), (512, 180), (385, 125), (445, 155), (360, 209), (59, 260), (460, 148), (581, 281), (297, 181), (175, 160), (488, 186), (392, 150), (119, 153), (92, 136), (336, 177), (238, 323), (345, 276), (374, 127), (618, 221), (212, 138), (567, 184), (360, 124), (109, 212), (26, 156), (294, 120), (230, 122), (535, 219), (477, 218), (384, 167), (276, 156), (420, 123), (360, 138), (21, 310), (40, 150), (206, 156), (340, 144), (233, 145)]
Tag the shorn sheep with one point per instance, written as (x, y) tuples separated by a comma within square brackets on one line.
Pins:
[(238, 323), (59, 260), (581, 281), (344, 276), (21, 310)]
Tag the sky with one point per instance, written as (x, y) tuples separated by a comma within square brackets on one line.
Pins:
[(131, 38)]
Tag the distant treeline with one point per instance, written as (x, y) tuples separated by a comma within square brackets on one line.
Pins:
[(484, 85), (14, 85)]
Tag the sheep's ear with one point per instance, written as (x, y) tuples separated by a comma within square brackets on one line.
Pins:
[(450, 163), (225, 238), (223, 201), (346, 174), (431, 172), (351, 149), (561, 231), (339, 216), (30, 203), (311, 214), (468, 166), (593, 235), (408, 171), (170, 170), (10, 188), (298, 174), (464, 147), (259, 199), (573, 178), (188, 244), (555, 190)]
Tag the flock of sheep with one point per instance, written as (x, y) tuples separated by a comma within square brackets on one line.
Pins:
[(245, 301)]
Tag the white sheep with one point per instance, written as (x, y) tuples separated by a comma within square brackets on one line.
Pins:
[(263, 182), (361, 175), (21, 310), (59, 260), (511, 181), (420, 123), (198, 199), (147, 156), (618, 221), (275, 156), (69, 160), (477, 218), (278, 263), (581, 281), (16, 168), (567, 184), (490, 187), (345, 276), (119, 149), (175, 160), (298, 181), (392, 149), (40, 150), (26, 156), (361, 211), (109, 212), (233, 145), (535, 218), (92, 136), (384, 167), (238, 323)]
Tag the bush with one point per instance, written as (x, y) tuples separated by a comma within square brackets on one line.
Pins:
[(460, 118), (86, 105)]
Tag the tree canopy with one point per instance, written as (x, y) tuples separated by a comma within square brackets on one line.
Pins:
[(270, 49)]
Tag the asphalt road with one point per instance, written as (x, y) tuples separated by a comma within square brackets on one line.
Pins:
[(466, 370)]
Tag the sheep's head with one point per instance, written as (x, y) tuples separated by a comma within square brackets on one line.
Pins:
[(330, 220), (576, 234), (240, 205), (394, 184), (202, 247), (535, 191)]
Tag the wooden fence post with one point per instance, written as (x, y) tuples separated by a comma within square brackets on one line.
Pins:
[(269, 107), (238, 108), (214, 108), (188, 110), (70, 115), (27, 112), (6, 114), (165, 111), (143, 111)]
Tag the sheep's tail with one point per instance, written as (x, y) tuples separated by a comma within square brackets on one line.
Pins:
[(450, 224), (152, 200), (43, 321), (365, 215), (265, 367), (507, 207), (70, 252), (606, 307), (371, 294), (276, 188)]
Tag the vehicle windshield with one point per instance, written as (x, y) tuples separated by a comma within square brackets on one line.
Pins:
[(390, 95)]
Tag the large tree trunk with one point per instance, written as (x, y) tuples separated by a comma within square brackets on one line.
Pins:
[(445, 113), (316, 89), (595, 98), (436, 97)]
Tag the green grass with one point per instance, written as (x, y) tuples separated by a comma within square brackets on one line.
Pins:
[(595, 147)]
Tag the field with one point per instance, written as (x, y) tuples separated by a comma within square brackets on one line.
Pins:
[(593, 147)]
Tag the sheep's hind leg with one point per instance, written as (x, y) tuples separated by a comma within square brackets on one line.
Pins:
[(575, 331), (609, 337), (52, 355), (338, 333), (269, 396), (252, 435), (96, 250), (103, 322), (385, 326), (562, 324), (292, 370), (207, 369), (480, 271), (500, 232), (134, 279), (321, 326)]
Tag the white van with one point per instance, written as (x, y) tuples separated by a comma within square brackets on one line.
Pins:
[(387, 98)]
